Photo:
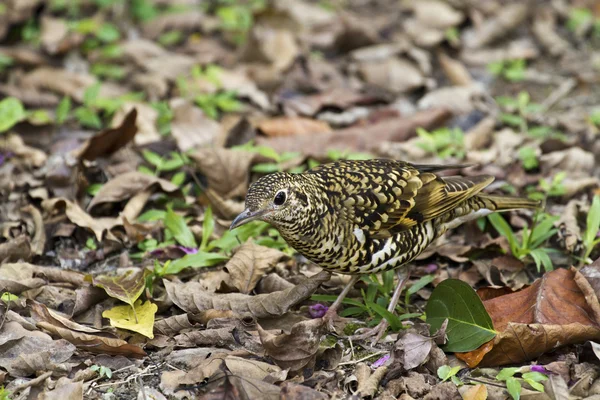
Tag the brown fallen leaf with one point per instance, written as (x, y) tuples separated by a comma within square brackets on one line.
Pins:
[(16, 249), (84, 337), (191, 298), (250, 262), (297, 349), (145, 122), (82, 219), (359, 138), (290, 126), (476, 392), (558, 309), (394, 74), (125, 186), (64, 391), (39, 238), (110, 140), (25, 352), (190, 127), (227, 171), (18, 277), (26, 155)]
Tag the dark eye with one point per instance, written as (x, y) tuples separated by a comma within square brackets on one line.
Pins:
[(279, 198)]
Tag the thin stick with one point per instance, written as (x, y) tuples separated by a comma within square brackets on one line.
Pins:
[(364, 358)]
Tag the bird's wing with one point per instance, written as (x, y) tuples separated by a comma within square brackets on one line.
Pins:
[(386, 196)]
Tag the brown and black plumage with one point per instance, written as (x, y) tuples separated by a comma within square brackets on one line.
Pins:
[(363, 217)]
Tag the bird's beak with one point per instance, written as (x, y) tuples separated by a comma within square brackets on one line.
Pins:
[(246, 216)]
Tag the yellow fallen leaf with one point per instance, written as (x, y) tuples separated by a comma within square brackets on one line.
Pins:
[(125, 317)]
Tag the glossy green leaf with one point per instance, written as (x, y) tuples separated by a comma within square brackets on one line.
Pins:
[(181, 232), (469, 324), (11, 113)]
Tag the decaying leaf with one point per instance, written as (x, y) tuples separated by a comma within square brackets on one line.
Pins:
[(248, 265), (139, 319), (227, 171), (360, 138), (289, 126), (86, 338), (99, 226), (190, 297), (297, 349), (123, 187), (110, 140), (558, 309), (126, 287), (24, 352)]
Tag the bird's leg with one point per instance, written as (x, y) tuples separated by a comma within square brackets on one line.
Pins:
[(332, 311), (403, 274)]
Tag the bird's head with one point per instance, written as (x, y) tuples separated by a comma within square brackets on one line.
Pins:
[(279, 199)]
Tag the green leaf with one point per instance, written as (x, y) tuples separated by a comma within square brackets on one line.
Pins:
[(512, 120), (535, 376), (153, 158), (178, 179), (506, 373), (62, 110), (540, 257), (88, 117), (504, 229), (91, 94), (446, 372), (395, 324), (11, 113), (198, 260), (469, 324), (514, 387), (592, 221), (108, 33), (175, 223), (208, 226)]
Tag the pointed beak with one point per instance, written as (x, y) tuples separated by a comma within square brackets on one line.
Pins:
[(246, 216)]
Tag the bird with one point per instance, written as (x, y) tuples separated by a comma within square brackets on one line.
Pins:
[(360, 217)]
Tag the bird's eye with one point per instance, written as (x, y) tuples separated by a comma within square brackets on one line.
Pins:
[(279, 198)]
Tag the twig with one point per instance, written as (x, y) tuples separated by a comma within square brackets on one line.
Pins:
[(33, 382), (557, 94), (485, 382), (364, 358)]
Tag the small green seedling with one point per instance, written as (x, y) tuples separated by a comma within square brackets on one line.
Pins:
[(446, 372), (511, 70), (532, 239), (591, 239), (513, 384), (103, 372), (443, 142), (528, 157)]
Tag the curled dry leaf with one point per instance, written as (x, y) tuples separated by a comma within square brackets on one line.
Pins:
[(289, 126), (110, 140), (558, 309), (172, 325), (250, 262), (125, 186), (82, 219), (23, 154), (18, 277), (84, 337), (227, 171), (544, 29), (145, 121), (39, 238), (497, 27), (297, 349), (16, 249), (25, 352), (190, 297)]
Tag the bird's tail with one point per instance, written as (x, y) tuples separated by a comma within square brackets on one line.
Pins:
[(506, 203), (481, 205)]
